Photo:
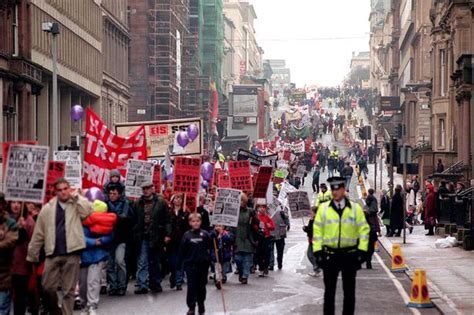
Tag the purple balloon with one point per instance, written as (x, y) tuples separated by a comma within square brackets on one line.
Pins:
[(207, 170), (205, 184), (77, 112), (193, 132), (94, 194), (182, 138)]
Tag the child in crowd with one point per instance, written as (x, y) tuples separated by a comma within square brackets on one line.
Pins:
[(194, 253), (98, 232), (223, 241), (266, 226)]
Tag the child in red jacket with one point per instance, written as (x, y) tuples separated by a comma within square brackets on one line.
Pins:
[(265, 239)]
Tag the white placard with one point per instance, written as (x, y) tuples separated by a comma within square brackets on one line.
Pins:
[(298, 202), (26, 171), (227, 207), (138, 172), (285, 189), (73, 162)]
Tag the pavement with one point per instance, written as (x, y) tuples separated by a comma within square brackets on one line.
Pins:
[(450, 271)]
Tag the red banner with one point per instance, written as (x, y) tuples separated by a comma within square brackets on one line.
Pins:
[(191, 202), (223, 180), (187, 175), (239, 173), (105, 151), (261, 182), (56, 170), (157, 178)]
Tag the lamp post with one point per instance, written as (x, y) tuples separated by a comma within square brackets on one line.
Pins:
[(53, 28)]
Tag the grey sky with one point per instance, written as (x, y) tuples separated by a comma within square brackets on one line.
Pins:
[(287, 29)]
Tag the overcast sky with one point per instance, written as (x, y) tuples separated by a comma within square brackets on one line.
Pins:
[(293, 29)]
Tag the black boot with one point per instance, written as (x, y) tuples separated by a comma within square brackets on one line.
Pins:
[(201, 308)]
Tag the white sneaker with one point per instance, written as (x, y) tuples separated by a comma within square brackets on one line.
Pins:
[(92, 311)]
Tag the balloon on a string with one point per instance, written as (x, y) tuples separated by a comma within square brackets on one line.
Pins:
[(77, 112), (207, 171), (205, 184), (94, 194), (193, 132), (182, 138)]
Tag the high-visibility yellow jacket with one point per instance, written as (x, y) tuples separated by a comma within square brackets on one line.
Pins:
[(334, 154), (322, 197), (340, 232)]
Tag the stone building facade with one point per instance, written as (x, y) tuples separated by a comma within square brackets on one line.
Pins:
[(92, 50)]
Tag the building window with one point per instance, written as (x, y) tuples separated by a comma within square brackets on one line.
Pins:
[(15, 31), (442, 133), (442, 62)]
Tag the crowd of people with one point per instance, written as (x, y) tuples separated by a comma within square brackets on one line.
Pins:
[(87, 248)]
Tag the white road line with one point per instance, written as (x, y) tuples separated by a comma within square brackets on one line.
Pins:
[(398, 285)]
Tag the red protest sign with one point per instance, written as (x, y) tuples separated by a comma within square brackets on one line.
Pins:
[(157, 178), (261, 182), (6, 149), (287, 155), (223, 180), (187, 174), (105, 151), (56, 170), (191, 202), (239, 173)]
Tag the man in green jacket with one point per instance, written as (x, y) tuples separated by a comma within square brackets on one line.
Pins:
[(244, 239), (151, 231), (59, 231)]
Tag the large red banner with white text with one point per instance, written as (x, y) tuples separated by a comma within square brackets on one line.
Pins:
[(105, 151)]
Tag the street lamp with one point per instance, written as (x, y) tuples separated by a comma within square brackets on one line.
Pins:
[(53, 28)]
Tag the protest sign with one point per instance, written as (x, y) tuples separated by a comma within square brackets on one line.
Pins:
[(285, 189), (157, 178), (279, 176), (274, 207), (161, 136), (187, 175), (223, 180), (6, 148), (240, 177), (261, 182), (295, 147), (282, 164), (138, 172), (300, 171), (227, 207), (25, 177), (298, 202), (190, 202), (73, 161), (105, 151), (256, 160), (56, 170), (287, 155)]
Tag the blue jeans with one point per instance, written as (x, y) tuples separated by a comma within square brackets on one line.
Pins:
[(148, 266), (244, 261), (330, 173), (348, 182), (177, 272), (117, 268), (5, 302)]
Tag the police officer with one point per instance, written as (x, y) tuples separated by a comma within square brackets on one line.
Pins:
[(323, 196), (340, 243), (334, 154)]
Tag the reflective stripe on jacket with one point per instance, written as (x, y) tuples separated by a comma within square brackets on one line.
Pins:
[(339, 232)]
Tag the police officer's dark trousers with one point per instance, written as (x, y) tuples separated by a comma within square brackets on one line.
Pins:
[(346, 263)]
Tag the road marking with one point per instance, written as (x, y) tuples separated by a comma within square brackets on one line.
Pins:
[(397, 284)]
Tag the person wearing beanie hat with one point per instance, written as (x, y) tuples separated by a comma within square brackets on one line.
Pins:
[(115, 179)]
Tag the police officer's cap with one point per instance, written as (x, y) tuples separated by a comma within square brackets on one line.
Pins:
[(336, 182)]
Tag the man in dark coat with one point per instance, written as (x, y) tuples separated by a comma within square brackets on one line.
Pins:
[(396, 212), (151, 232), (385, 210)]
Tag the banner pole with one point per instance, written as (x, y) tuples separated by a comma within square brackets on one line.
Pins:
[(221, 284)]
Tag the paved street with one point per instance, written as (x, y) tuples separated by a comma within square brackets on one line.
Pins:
[(289, 291)]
